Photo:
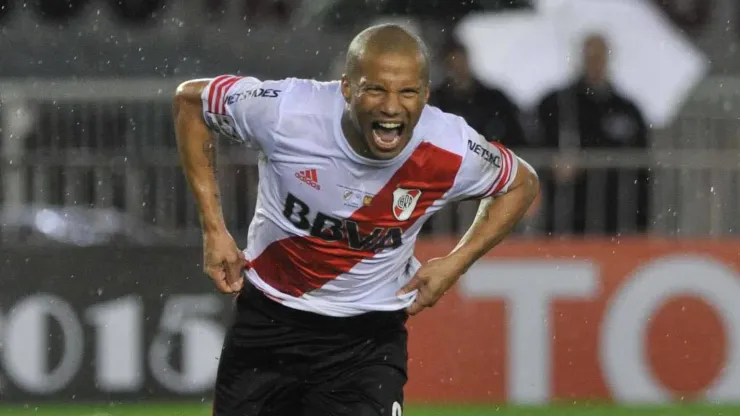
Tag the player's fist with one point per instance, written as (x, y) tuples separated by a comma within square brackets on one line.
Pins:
[(432, 281), (223, 261)]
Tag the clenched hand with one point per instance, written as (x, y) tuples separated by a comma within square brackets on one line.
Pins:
[(223, 261), (432, 280)]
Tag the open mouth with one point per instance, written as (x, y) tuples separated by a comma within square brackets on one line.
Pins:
[(387, 135)]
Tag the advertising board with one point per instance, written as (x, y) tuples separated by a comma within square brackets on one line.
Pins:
[(533, 322), (627, 321)]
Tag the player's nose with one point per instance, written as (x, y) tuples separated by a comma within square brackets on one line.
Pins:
[(391, 106)]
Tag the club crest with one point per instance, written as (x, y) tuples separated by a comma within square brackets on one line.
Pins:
[(404, 202)]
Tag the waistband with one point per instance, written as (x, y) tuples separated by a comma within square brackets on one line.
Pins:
[(253, 297)]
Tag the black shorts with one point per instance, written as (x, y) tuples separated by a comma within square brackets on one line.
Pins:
[(278, 361)]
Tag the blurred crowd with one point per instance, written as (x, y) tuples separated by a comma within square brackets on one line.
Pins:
[(589, 114)]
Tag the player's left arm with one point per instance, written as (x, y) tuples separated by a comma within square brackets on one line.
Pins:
[(497, 216), (505, 184)]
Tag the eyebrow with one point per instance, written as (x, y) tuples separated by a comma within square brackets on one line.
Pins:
[(376, 85)]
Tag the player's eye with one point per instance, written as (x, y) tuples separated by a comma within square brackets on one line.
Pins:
[(410, 93)]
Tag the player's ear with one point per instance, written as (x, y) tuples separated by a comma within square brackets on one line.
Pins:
[(346, 88)]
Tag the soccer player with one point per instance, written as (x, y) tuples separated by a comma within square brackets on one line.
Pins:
[(349, 172)]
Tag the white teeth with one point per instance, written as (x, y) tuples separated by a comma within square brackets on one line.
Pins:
[(390, 125)]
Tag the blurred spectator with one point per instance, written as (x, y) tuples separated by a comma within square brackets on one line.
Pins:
[(488, 111), (591, 114)]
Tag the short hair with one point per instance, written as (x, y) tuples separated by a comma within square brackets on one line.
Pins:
[(387, 37)]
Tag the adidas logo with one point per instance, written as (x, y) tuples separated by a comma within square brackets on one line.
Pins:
[(309, 176)]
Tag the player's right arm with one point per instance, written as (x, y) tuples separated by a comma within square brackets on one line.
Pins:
[(241, 109), (223, 261), (244, 110), (197, 148)]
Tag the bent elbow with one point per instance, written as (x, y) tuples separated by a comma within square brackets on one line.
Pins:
[(534, 183), (530, 179)]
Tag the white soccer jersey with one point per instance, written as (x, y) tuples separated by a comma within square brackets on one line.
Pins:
[(334, 232)]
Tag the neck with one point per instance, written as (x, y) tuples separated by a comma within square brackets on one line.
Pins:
[(595, 81)]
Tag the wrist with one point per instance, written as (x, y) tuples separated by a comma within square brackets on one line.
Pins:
[(214, 225), (462, 258)]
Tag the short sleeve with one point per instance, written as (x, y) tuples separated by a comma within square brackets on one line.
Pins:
[(487, 169), (244, 109)]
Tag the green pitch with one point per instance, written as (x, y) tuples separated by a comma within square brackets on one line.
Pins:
[(203, 410)]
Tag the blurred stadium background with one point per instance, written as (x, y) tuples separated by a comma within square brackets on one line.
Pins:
[(619, 294)]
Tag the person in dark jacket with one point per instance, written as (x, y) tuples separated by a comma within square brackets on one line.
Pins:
[(592, 114), (489, 111)]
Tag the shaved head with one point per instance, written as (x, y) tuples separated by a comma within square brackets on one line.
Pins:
[(385, 39)]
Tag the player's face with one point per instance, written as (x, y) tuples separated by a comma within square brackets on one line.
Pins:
[(385, 100)]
